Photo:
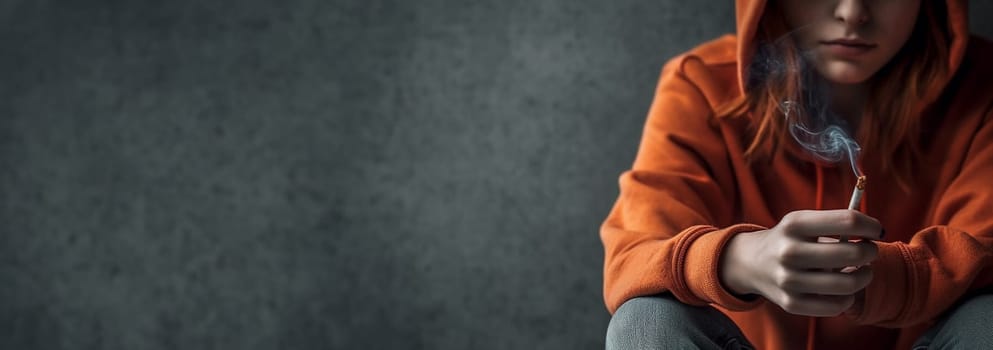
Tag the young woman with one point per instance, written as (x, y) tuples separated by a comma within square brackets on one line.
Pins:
[(717, 239)]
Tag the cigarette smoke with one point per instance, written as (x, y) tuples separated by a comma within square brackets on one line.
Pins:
[(808, 117), (829, 142)]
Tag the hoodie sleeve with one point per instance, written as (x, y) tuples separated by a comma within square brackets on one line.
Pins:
[(663, 233), (915, 282)]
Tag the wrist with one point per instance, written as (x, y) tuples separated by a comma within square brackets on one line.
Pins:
[(733, 273)]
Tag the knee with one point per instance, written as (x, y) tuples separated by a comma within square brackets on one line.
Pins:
[(965, 327), (982, 302), (973, 317), (640, 323), (656, 322), (660, 311)]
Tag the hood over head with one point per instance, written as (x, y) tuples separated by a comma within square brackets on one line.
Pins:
[(749, 13)]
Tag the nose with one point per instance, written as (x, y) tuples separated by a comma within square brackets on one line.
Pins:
[(852, 12)]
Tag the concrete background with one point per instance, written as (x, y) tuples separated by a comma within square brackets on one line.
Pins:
[(309, 174)]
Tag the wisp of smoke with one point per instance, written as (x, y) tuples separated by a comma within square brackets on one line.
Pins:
[(810, 122), (830, 143)]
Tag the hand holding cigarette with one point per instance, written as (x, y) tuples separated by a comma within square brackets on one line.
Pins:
[(786, 265)]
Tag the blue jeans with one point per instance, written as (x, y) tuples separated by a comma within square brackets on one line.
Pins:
[(662, 322)]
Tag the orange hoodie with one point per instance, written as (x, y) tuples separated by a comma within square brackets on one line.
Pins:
[(690, 190)]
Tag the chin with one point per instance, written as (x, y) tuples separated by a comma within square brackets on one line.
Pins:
[(848, 79), (846, 74)]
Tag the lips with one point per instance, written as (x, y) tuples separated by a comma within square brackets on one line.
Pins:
[(848, 47)]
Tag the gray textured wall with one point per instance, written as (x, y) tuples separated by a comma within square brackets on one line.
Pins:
[(311, 174)]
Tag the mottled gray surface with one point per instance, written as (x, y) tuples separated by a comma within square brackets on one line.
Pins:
[(311, 174)]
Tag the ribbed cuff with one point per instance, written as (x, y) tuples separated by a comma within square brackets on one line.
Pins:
[(702, 264), (885, 297)]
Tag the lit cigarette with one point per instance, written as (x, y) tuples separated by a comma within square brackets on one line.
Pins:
[(857, 194), (853, 204)]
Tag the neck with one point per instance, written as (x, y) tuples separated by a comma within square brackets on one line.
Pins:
[(848, 100)]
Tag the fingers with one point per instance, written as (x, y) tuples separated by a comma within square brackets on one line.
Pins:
[(808, 255), (802, 275), (816, 305), (814, 223), (825, 282), (822, 294)]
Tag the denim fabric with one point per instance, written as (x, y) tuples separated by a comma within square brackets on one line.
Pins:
[(662, 322), (967, 326)]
